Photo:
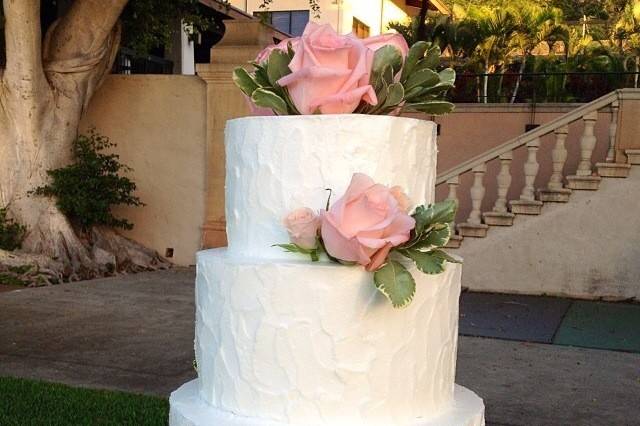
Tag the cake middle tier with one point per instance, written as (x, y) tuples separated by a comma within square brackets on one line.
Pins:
[(308, 344), (277, 164)]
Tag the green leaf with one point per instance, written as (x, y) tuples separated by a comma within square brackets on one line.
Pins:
[(431, 59), (244, 81), (446, 256), (415, 54), (422, 78), (437, 236), (277, 66), (294, 248), (394, 281), (267, 99), (431, 107), (261, 76), (386, 56), (428, 217), (447, 76), (428, 262), (395, 95)]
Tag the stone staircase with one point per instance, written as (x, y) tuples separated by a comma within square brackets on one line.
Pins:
[(559, 188)]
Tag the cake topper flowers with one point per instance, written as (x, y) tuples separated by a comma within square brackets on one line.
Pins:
[(370, 225), (322, 72)]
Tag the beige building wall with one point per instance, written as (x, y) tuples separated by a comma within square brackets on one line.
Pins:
[(376, 14), (159, 124)]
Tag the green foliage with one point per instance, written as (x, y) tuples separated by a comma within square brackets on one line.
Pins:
[(86, 190), (424, 248), (294, 248), (11, 232), (148, 24), (28, 402), (395, 281)]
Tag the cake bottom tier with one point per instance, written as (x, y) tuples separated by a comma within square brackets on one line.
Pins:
[(188, 409), (317, 344)]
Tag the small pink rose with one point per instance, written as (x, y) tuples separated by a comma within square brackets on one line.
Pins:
[(302, 225), (376, 42), (329, 72), (363, 222)]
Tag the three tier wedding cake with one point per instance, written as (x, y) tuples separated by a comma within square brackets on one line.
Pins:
[(311, 332)]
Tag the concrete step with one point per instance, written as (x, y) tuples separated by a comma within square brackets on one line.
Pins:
[(583, 183), (498, 219), (472, 230), (633, 156), (613, 170), (454, 242), (526, 207), (560, 195)]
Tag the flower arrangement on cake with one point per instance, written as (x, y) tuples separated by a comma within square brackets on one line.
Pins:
[(370, 225), (322, 72)]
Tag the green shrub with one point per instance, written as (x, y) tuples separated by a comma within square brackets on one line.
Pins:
[(11, 232), (87, 189)]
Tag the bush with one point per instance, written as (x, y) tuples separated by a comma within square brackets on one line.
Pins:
[(87, 189), (11, 233)]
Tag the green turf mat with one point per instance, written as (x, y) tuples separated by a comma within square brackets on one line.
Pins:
[(612, 326), (32, 403)]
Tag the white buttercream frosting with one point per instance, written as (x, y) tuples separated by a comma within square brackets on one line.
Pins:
[(275, 165), (316, 344)]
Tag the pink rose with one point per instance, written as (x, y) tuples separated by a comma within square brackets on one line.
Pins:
[(365, 223), (376, 42), (401, 198), (283, 45), (302, 225), (329, 72)]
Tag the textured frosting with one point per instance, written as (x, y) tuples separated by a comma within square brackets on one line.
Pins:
[(275, 165), (316, 344), (188, 409)]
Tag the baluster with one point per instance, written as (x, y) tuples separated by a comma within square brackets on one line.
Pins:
[(555, 192), (474, 226), (613, 132), (500, 215), (455, 240), (527, 204), (584, 178), (610, 168)]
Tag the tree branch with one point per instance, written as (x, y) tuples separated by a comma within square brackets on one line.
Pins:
[(23, 43), (84, 30)]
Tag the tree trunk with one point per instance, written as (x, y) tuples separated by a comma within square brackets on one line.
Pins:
[(519, 80), (422, 24), (44, 90)]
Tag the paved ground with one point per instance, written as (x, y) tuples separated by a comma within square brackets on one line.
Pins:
[(136, 334)]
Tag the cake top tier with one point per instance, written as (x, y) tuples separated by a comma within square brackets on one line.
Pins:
[(277, 164)]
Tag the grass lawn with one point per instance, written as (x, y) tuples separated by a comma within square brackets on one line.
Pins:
[(27, 402)]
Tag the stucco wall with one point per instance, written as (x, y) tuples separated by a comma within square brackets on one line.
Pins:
[(589, 247), (159, 124)]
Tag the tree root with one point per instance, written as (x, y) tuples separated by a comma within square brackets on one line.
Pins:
[(103, 253)]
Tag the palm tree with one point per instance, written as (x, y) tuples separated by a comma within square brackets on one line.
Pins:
[(496, 27), (536, 25)]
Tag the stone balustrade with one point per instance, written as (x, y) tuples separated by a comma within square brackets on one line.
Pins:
[(558, 188)]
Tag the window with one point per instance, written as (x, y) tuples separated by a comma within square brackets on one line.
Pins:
[(288, 21), (360, 29)]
